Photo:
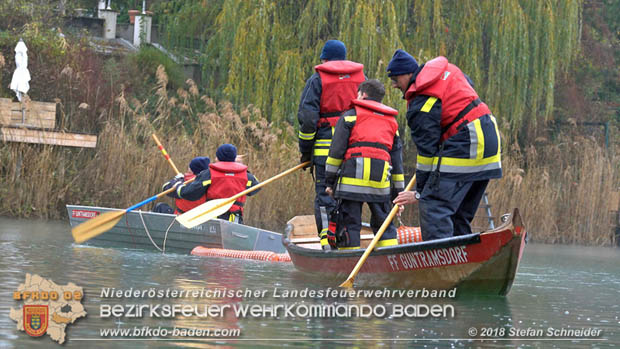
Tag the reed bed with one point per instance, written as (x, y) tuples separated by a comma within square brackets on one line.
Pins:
[(561, 189), (565, 191)]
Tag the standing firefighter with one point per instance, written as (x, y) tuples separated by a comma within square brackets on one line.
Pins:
[(365, 165), (328, 93), (457, 140)]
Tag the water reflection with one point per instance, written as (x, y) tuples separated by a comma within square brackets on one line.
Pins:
[(560, 287)]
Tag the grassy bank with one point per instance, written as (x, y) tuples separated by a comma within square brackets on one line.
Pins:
[(126, 167)]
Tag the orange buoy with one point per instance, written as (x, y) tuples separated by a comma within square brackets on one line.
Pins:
[(409, 234), (255, 255)]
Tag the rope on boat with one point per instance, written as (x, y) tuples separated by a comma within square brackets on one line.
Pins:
[(166, 235), (255, 255), (408, 234), (147, 232)]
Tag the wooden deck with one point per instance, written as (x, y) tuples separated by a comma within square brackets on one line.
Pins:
[(33, 122)]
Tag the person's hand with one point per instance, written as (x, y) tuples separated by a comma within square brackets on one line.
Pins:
[(401, 208), (306, 157), (329, 191), (176, 181), (406, 197)]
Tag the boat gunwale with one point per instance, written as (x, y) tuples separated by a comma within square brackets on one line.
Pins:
[(217, 233), (380, 251), (402, 248)]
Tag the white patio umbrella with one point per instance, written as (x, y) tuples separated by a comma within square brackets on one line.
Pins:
[(21, 77)]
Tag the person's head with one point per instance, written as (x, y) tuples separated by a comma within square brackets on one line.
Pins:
[(199, 164), (371, 89), (333, 50), (401, 69), (226, 152)]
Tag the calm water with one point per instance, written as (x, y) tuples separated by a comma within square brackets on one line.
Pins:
[(556, 286)]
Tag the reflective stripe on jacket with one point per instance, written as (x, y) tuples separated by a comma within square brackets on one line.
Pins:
[(469, 148), (183, 205)]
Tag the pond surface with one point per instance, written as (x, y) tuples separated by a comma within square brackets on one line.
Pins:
[(557, 288)]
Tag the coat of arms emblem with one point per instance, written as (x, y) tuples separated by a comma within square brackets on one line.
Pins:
[(36, 319)]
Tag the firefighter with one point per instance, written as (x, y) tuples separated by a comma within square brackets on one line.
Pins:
[(365, 165), (328, 93), (197, 165), (457, 140), (221, 180)]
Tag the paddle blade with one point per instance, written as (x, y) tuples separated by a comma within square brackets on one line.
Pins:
[(205, 212), (348, 283), (95, 226)]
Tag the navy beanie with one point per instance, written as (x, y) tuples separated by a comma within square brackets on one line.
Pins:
[(334, 50), (199, 164), (226, 152), (401, 63)]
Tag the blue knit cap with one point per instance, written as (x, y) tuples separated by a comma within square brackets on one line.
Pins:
[(334, 50), (199, 164), (226, 152), (401, 63)]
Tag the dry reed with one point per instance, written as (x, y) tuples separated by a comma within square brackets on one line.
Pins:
[(561, 189)]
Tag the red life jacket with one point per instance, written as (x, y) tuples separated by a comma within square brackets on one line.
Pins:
[(374, 130), (460, 103), (339, 81), (228, 179), (186, 205)]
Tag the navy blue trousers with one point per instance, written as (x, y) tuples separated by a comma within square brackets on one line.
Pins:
[(352, 219), (323, 203), (448, 210)]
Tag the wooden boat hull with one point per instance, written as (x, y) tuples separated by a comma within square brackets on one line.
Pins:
[(485, 262), (135, 228)]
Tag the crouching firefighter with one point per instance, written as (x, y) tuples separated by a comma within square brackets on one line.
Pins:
[(221, 180), (364, 165)]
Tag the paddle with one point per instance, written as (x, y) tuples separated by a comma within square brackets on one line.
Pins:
[(214, 208), (165, 153), (349, 281), (102, 223)]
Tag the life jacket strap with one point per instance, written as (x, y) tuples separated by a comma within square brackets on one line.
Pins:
[(476, 102), (370, 144)]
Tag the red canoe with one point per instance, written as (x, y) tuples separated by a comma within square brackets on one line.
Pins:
[(482, 262)]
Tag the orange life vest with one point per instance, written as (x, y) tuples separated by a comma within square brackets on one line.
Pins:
[(186, 205), (460, 103), (228, 179), (374, 130), (339, 82)]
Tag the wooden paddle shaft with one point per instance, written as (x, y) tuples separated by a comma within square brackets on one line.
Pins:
[(371, 246), (165, 153), (259, 185)]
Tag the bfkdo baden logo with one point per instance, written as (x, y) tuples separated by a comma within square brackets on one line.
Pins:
[(47, 308)]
